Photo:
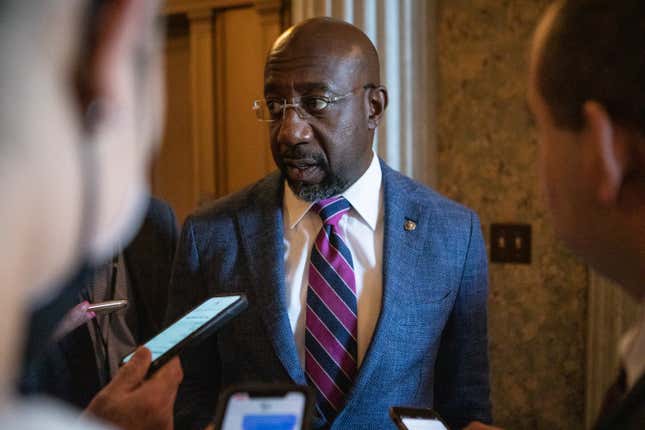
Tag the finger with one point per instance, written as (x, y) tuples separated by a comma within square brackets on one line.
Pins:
[(132, 374), (74, 318), (170, 372), (166, 380), (81, 314), (162, 387)]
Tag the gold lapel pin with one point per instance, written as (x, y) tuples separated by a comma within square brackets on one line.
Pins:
[(409, 225)]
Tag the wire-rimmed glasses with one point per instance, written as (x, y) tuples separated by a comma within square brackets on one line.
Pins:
[(308, 106)]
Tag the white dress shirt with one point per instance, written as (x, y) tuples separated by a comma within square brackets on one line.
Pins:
[(632, 353), (362, 229)]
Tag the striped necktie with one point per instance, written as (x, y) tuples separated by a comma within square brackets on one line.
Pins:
[(331, 321)]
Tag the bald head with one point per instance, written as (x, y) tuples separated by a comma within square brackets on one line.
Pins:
[(324, 100), (330, 38)]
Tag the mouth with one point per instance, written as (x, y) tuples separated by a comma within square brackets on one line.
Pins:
[(303, 170)]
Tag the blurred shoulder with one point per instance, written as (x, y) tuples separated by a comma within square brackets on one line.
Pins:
[(44, 413), (262, 194)]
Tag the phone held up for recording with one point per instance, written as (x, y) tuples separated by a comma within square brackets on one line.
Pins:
[(192, 328)]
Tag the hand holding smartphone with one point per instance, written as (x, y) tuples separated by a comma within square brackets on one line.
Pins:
[(192, 328)]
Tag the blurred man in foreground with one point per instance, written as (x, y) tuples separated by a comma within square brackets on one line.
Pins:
[(587, 93), (80, 108)]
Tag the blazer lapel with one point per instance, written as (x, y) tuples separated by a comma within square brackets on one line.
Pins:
[(261, 228), (401, 247)]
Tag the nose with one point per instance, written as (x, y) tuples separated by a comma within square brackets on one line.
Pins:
[(293, 129)]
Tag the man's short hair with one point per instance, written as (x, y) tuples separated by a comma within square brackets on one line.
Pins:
[(595, 50)]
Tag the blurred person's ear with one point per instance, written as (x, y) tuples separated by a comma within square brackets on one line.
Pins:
[(109, 37), (121, 104), (606, 145)]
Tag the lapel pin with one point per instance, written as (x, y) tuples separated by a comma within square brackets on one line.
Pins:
[(409, 225)]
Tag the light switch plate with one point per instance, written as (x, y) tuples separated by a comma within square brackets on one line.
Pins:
[(510, 243)]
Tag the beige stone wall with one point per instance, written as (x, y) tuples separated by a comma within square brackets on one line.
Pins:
[(487, 153)]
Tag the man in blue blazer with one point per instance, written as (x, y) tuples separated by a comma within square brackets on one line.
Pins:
[(415, 262)]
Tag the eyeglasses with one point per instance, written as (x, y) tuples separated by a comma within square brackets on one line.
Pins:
[(307, 106)]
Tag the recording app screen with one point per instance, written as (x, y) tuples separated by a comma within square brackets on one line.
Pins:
[(264, 413), (423, 424), (174, 334)]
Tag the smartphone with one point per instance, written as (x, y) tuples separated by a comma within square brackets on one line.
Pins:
[(108, 306), (416, 419), (260, 407), (192, 328)]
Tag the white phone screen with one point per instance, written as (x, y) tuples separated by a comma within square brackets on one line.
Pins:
[(423, 424), (244, 412), (164, 341)]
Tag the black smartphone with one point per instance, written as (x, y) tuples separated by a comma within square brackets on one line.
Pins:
[(260, 407), (416, 419), (192, 328)]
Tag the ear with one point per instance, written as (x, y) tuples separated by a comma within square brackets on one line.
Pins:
[(112, 29), (377, 99), (608, 155)]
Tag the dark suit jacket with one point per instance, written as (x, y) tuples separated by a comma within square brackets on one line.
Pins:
[(430, 343), (68, 369), (629, 414)]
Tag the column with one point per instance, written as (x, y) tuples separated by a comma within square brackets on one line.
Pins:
[(202, 102), (271, 21), (403, 33), (611, 313)]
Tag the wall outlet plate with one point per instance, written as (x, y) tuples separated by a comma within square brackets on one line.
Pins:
[(510, 243)]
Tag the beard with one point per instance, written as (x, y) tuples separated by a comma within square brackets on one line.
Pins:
[(331, 185)]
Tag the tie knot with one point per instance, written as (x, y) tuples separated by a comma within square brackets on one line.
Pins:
[(332, 210)]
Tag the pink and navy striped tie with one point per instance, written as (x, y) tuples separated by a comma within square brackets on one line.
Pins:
[(331, 318)]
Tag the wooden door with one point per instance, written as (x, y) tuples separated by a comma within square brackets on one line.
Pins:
[(214, 59)]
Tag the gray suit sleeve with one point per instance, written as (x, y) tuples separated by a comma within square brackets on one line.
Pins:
[(462, 392)]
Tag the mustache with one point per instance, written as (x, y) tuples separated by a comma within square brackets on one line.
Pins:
[(298, 153)]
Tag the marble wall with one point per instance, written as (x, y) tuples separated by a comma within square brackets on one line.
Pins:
[(487, 152)]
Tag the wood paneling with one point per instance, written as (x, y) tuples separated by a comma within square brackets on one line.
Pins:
[(186, 6), (240, 81), (611, 313), (202, 103), (173, 171), (215, 54)]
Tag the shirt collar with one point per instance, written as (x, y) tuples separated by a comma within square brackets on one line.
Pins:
[(360, 195), (632, 352), (294, 208)]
